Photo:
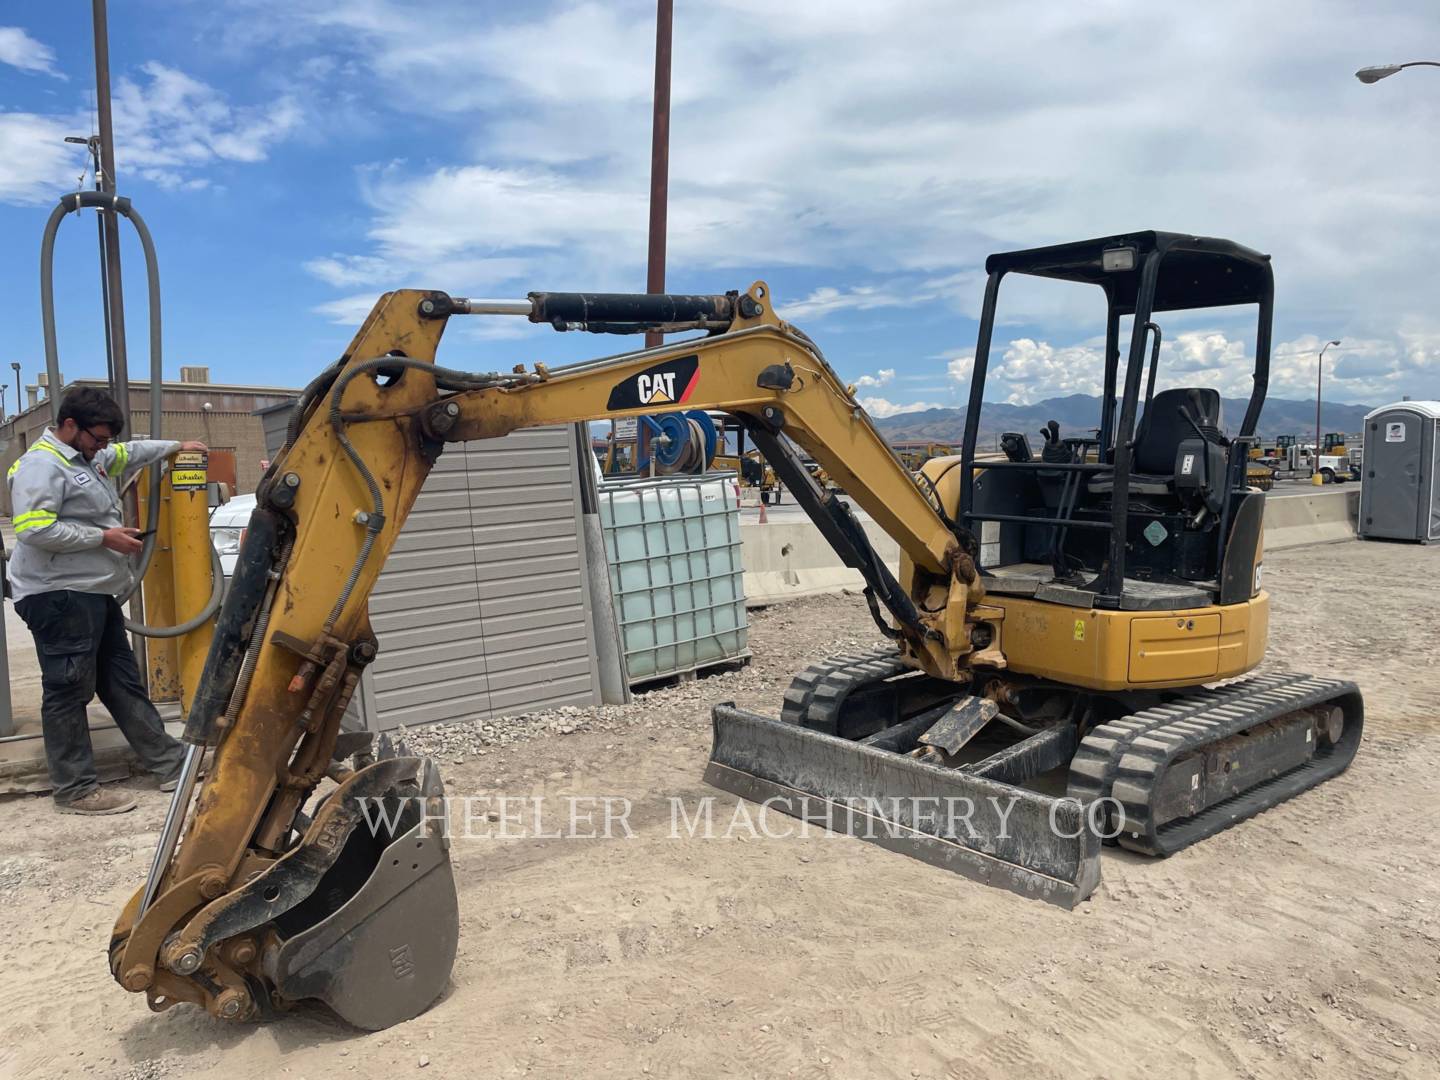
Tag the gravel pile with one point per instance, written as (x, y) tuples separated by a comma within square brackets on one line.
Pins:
[(784, 639), (685, 705)]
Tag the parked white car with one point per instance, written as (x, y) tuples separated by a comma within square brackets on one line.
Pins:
[(227, 527)]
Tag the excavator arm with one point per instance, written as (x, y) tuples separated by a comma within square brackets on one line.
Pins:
[(256, 898)]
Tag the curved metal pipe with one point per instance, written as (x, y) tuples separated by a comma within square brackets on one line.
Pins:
[(99, 200)]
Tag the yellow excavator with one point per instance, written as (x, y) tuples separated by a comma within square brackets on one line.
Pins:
[(1031, 703)]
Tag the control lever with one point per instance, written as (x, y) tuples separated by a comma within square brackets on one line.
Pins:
[(1189, 417)]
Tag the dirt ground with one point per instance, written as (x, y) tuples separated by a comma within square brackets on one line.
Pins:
[(1304, 943)]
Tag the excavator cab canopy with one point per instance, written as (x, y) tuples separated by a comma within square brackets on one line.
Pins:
[(1157, 462), (1199, 271)]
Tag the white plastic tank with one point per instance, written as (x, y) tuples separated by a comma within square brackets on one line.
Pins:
[(676, 572)]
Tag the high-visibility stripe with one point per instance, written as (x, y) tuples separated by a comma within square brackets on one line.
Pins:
[(36, 519), (10, 473), (51, 450), (122, 457)]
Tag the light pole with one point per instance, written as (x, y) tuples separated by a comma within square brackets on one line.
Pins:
[(1315, 477), (660, 157), (16, 365), (1384, 71)]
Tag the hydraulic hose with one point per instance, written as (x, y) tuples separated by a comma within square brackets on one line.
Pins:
[(73, 203), (445, 379), (212, 605)]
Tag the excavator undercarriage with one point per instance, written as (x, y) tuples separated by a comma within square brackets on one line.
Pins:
[(1066, 632), (1020, 786)]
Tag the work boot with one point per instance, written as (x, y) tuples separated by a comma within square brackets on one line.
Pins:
[(173, 781), (98, 802)]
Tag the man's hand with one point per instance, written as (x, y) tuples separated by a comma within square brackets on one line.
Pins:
[(193, 445), (122, 539)]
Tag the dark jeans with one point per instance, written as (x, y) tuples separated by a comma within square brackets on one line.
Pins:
[(83, 649)]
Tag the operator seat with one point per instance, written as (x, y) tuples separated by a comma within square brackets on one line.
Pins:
[(1152, 467)]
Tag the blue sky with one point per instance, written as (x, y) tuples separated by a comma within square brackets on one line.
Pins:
[(295, 158)]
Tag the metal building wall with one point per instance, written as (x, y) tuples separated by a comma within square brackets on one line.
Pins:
[(482, 608)]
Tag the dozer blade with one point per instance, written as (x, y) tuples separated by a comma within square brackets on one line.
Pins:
[(980, 828)]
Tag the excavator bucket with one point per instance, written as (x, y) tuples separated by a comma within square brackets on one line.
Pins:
[(976, 826), (360, 913), (379, 937)]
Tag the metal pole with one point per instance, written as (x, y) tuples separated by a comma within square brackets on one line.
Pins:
[(1319, 377), (659, 156), (110, 224), (16, 365)]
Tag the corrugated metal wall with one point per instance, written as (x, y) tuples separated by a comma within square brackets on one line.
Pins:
[(482, 608)]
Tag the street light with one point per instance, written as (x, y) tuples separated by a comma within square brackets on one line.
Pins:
[(16, 365), (1315, 476), (1384, 71)]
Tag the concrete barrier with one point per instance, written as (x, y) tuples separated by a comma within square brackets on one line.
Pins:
[(788, 560), (1324, 517)]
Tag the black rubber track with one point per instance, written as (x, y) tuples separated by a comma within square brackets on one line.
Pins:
[(801, 694), (1126, 759)]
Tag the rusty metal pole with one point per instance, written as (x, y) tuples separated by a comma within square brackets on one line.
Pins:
[(660, 156), (114, 305)]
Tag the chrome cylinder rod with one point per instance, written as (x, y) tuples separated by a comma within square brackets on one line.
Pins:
[(174, 819), (494, 307)]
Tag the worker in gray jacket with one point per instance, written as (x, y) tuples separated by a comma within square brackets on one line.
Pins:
[(71, 561)]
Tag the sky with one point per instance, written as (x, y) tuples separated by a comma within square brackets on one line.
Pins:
[(296, 158)]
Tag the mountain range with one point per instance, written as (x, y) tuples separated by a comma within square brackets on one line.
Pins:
[(1079, 414)]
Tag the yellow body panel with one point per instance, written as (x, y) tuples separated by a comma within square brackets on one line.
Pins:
[(1104, 649), (1131, 650)]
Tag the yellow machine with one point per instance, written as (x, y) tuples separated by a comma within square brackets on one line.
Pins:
[(915, 454), (1116, 589), (749, 465)]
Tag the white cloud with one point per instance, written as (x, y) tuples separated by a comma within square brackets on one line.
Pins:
[(347, 270), (169, 129), (348, 310), (20, 50), (35, 162), (1360, 371), (170, 124), (1032, 370), (960, 365), (828, 299), (842, 140), (881, 408), (881, 378)]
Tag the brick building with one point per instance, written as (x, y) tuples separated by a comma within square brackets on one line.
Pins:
[(219, 414)]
